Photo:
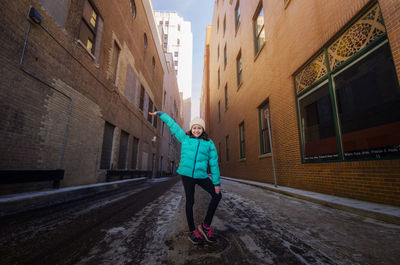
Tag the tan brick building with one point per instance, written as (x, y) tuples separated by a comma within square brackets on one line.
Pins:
[(318, 78), (76, 88)]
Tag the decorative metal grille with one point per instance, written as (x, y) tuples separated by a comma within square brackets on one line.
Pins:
[(368, 28), (311, 73)]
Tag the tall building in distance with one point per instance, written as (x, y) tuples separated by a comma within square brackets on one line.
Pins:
[(176, 38)]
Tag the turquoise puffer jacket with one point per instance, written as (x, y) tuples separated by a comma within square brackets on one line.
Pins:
[(195, 153)]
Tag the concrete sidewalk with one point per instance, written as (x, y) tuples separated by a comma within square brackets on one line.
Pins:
[(380, 212), (15, 203)]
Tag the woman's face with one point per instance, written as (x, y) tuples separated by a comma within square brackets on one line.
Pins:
[(197, 130)]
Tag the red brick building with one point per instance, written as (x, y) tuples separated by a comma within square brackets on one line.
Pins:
[(306, 94), (76, 87)]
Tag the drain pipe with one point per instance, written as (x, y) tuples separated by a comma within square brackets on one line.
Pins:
[(270, 142), (33, 11)]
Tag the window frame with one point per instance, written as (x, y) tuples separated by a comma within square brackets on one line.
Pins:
[(226, 96), (256, 35), (239, 70), (237, 15), (116, 51), (225, 56), (133, 8), (262, 130), (242, 142), (93, 29), (224, 24)]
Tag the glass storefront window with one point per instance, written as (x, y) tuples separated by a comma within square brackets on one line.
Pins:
[(317, 125), (368, 100)]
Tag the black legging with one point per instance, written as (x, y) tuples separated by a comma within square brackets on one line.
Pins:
[(207, 185)]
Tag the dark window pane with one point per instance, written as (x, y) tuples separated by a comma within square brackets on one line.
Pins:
[(86, 36), (135, 150), (123, 149), (242, 141), (107, 146), (265, 143), (150, 109), (368, 97), (141, 102), (317, 127)]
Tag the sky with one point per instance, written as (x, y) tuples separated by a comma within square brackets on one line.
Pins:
[(199, 13)]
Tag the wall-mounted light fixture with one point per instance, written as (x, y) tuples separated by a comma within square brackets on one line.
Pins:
[(35, 16)]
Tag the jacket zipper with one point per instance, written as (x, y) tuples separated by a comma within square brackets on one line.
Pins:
[(195, 158)]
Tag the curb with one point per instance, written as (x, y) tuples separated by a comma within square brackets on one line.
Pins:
[(381, 212), (16, 203)]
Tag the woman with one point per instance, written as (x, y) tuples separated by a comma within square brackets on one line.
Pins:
[(197, 151)]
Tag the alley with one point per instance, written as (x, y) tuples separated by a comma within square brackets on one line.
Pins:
[(146, 224)]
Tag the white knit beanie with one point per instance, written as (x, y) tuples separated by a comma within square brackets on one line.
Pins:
[(198, 121)]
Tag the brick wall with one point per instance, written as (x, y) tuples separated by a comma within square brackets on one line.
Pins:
[(293, 35), (35, 115)]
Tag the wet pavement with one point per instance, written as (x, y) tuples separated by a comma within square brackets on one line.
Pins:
[(146, 224)]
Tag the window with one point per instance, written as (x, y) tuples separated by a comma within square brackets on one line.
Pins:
[(130, 85), (368, 100), (133, 8), (219, 110), (225, 57), (242, 154), (161, 22), (348, 105), (264, 120), (106, 149), (218, 51), (176, 63), (258, 24), (123, 150), (141, 102), (150, 109), (317, 123), (226, 96), (239, 69), (175, 54), (237, 15), (224, 24), (135, 151), (219, 78), (179, 27), (155, 119), (153, 62), (167, 23), (114, 63), (227, 148), (178, 42), (89, 26), (217, 24), (145, 40)]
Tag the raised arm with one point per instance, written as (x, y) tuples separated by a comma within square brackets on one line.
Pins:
[(173, 126)]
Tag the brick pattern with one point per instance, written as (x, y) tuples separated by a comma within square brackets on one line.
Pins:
[(292, 36), (33, 115)]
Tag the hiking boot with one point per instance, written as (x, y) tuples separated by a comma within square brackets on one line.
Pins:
[(195, 237), (206, 231)]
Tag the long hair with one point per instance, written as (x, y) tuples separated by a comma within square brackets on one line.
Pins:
[(203, 136)]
